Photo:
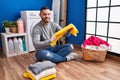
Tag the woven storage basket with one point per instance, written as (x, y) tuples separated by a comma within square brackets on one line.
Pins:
[(94, 55)]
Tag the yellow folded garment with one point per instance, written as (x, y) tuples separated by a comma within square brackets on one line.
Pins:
[(71, 28), (41, 75), (51, 76)]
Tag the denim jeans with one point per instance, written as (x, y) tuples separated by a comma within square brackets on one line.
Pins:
[(55, 54)]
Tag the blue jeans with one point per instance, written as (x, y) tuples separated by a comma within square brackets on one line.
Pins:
[(55, 54)]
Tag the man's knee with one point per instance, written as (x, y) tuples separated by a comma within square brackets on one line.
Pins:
[(43, 54), (71, 45)]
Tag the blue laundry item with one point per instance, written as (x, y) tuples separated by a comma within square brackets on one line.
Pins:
[(24, 45), (41, 66)]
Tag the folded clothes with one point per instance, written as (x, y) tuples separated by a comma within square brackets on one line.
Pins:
[(70, 28), (40, 66), (42, 74), (49, 77), (101, 47)]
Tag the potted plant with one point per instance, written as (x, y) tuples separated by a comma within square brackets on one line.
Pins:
[(13, 26), (6, 25)]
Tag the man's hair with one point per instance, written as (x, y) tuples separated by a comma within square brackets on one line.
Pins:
[(44, 8)]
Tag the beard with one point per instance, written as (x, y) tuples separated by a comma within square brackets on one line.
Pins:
[(46, 20)]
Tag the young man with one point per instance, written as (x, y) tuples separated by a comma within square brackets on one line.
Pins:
[(42, 36)]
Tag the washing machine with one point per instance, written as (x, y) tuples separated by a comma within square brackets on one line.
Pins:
[(30, 19)]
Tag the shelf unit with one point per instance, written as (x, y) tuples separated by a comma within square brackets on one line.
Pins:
[(5, 38)]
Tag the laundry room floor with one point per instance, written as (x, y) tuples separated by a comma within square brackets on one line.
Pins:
[(12, 68)]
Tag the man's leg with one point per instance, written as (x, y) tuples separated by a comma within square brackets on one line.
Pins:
[(57, 54), (48, 55), (62, 50), (66, 51)]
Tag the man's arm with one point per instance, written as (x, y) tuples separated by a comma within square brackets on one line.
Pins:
[(38, 44)]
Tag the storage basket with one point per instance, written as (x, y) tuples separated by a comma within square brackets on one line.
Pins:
[(94, 55)]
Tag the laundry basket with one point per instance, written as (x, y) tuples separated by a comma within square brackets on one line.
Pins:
[(93, 55)]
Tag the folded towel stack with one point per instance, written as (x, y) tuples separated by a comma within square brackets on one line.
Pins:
[(41, 71)]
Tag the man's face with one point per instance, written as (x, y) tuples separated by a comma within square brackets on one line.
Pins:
[(45, 15)]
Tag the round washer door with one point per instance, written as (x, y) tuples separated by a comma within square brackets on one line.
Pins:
[(32, 25)]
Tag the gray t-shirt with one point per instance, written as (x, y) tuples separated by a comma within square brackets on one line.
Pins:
[(41, 34)]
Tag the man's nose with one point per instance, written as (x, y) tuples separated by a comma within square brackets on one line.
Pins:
[(47, 15)]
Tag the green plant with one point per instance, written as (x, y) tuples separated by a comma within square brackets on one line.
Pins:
[(6, 23), (13, 24)]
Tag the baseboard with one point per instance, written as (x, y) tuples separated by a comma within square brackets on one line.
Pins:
[(114, 57), (77, 46), (115, 54)]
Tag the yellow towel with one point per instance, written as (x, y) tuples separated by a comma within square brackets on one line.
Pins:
[(30, 76), (49, 77), (71, 28)]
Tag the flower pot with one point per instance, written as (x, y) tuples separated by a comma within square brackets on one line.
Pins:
[(13, 29), (7, 30)]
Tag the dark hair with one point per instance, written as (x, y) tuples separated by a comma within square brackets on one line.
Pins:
[(43, 8)]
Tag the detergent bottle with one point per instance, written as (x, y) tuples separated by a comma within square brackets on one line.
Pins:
[(20, 25), (16, 47), (10, 46), (24, 44), (20, 45)]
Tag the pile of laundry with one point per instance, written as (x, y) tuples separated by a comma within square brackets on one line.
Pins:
[(95, 43), (41, 71)]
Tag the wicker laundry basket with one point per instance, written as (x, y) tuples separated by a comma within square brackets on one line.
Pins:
[(94, 55)]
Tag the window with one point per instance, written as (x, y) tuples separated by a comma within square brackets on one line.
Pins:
[(103, 20)]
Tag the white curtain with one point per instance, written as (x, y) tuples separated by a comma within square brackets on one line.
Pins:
[(56, 10), (59, 8)]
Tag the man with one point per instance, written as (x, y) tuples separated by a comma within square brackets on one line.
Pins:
[(42, 36)]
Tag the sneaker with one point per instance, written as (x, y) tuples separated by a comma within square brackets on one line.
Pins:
[(71, 56)]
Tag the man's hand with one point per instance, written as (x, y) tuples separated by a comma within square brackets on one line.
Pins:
[(52, 38)]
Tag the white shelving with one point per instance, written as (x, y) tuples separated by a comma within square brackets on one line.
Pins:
[(5, 38)]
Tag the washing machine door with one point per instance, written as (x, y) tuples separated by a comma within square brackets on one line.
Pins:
[(31, 24)]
